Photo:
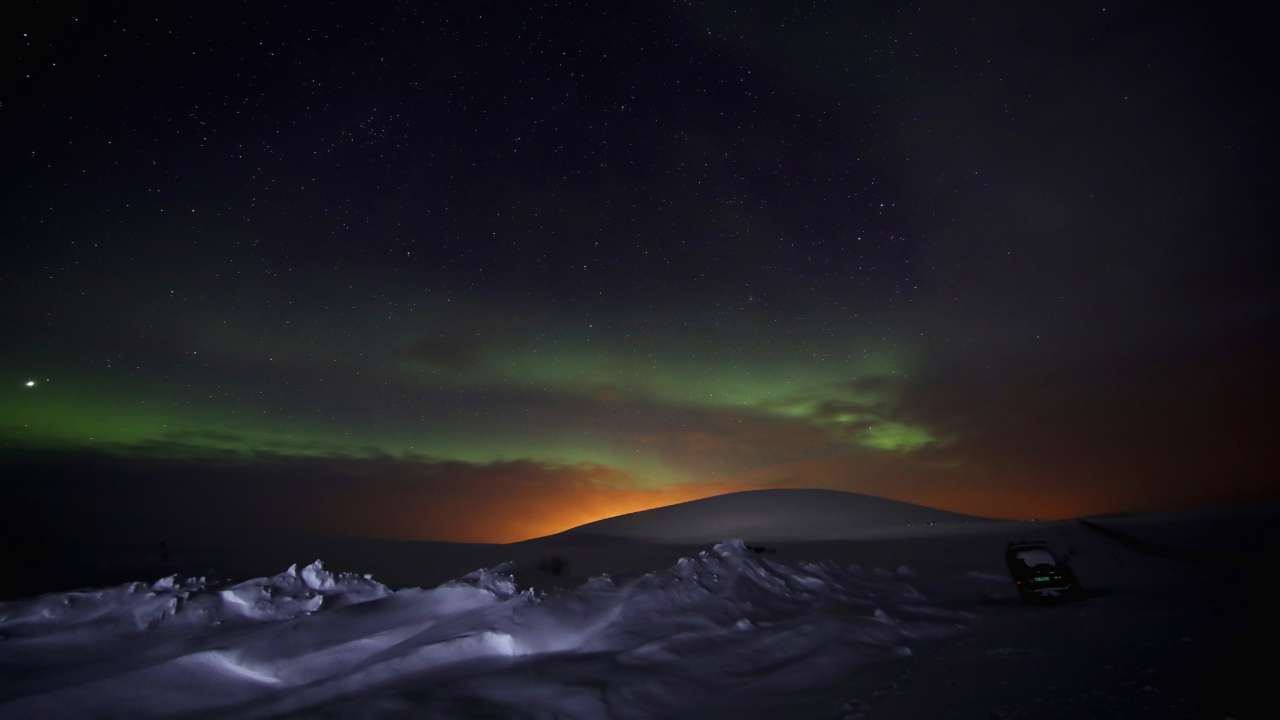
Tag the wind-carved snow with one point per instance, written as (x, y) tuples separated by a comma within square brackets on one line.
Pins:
[(723, 631), (190, 602)]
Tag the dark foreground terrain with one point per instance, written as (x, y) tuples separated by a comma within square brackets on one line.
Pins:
[(1176, 621)]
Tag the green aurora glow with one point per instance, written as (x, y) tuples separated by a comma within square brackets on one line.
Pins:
[(847, 397)]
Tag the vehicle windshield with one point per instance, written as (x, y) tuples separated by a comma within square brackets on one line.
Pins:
[(1035, 558)]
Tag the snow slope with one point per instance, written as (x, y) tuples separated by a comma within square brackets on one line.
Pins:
[(726, 631), (776, 516)]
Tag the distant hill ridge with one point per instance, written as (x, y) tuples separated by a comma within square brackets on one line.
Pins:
[(774, 515)]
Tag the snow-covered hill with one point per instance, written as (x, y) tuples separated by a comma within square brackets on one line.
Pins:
[(775, 516)]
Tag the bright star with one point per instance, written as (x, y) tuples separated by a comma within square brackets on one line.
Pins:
[(30, 383)]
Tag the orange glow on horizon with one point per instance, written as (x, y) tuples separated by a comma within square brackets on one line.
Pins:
[(508, 503), (512, 502), (514, 516)]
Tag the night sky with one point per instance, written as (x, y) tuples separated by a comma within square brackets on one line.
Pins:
[(471, 272)]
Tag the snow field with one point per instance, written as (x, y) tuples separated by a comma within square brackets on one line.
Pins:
[(727, 628)]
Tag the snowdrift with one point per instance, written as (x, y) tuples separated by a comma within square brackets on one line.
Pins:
[(191, 602), (776, 516), (724, 632)]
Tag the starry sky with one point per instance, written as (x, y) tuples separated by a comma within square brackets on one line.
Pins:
[(472, 272)]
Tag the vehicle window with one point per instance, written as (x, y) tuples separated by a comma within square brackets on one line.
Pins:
[(1033, 558)]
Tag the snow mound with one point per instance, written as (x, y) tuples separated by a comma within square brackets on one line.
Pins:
[(776, 516), (193, 602), (725, 630)]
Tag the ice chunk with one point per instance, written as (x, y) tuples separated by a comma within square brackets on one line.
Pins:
[(316, 577)]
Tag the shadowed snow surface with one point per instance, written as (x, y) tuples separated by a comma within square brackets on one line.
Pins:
[(721, 632)]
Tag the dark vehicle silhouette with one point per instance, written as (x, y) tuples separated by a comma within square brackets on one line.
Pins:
[(1039, 574)]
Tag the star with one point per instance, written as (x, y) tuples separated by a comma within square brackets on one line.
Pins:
[(30, 383)]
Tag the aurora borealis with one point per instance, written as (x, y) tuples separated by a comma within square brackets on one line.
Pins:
[(475, 274)]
